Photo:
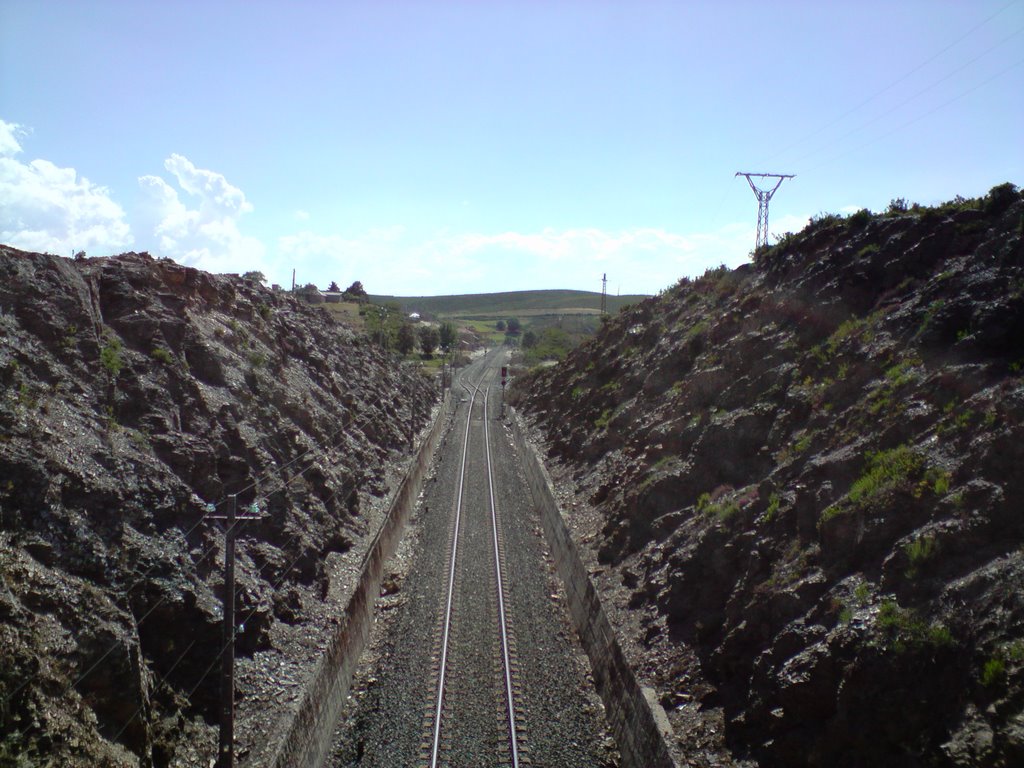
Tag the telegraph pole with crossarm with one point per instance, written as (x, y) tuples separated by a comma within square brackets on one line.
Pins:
[(226, 750)]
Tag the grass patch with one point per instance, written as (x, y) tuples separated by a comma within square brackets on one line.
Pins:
[(993, 672), (906, 631), (886, 471), (722, 509), (930, 312), (920, 552)]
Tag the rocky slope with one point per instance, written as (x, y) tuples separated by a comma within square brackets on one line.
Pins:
[(800, 485), (136, 393)]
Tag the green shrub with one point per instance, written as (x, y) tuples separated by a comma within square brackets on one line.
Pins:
[(803, 443), (886, 470), (919, 552), (993, 671), (862, 593), (1000, 197), (110, 356), (860, 219), (905, 630), (821, 221), (161, 355), (929, 315), (719, 503), (25, 396)]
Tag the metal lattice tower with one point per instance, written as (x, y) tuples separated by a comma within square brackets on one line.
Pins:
[(763, 197), (604, 294)]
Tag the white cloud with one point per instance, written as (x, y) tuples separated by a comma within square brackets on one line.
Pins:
[(47, 208), (207, 236), (301, 215), (9, 145)]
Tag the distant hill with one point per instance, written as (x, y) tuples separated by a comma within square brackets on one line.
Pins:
[(509, 303)]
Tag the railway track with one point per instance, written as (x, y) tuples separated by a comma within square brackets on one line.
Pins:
[(476, 584), (473, 662)]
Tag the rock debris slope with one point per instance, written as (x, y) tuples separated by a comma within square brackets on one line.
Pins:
[(135, 392), (805, 479)]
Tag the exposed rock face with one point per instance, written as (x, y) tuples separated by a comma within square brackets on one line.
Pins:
[(136, 392), (809, 476)]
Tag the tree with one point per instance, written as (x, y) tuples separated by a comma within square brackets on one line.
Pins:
[(254, 277), (310, 293), (447, 336), (512, 325), (406, 339), (429, 338), (333, 287), (529, 340), (356, 289), (500, 325)]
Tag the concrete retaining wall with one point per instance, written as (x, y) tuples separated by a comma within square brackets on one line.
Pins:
[(308, 737), (634, 725)]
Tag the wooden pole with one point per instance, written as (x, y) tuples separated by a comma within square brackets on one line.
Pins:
[(227, 670)]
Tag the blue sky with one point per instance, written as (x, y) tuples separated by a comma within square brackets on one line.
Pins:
[(450, 147)]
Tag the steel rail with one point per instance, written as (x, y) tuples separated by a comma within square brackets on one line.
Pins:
[(513, 740), (443, 667), (443, 664)]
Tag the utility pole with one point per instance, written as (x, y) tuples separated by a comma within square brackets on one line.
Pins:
[(412, 422), (226, 753), (604, 293), (763, 197), (504, 379)]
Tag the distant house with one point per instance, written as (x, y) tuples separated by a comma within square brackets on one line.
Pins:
[(415, 317), (332, 297)]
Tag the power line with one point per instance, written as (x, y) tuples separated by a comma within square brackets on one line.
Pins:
[(906, 101), (917, 119), (894, 83)]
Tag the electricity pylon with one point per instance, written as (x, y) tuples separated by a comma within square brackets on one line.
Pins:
[(763, 196)]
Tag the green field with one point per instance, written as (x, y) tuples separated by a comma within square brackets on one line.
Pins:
[(520, 304), (552, 322)]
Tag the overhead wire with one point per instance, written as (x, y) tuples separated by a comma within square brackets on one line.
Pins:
[(909, 99), (920, 117), (895, 82)]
